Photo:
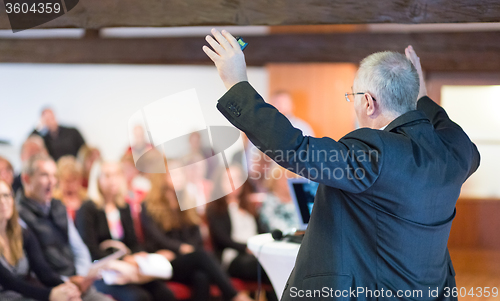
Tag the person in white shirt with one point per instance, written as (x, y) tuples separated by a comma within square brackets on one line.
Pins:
[(283, 101)]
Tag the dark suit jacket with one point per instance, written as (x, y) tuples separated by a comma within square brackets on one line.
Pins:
[(382, 223), (92, 225)]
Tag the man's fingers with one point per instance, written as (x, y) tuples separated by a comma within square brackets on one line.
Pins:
[(221, 39), (407, 53), (412, 56), (216, 46), (211, 54), (231, 40)]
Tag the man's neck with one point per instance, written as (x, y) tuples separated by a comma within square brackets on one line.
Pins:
[(38, 201), (382, 121)]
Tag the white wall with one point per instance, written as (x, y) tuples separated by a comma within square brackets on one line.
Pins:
[(99, 99), (475, 109)]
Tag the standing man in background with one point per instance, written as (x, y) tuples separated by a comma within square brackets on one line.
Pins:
[(384, 207), (59, 140)]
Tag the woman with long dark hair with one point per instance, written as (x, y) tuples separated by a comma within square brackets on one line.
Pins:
[(176, 235), (232, 220)]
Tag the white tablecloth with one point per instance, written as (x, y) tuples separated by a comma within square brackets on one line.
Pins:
[(276, 257)]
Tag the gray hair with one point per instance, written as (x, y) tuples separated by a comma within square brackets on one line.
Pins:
[(29, 168), (33, 139), (391, 79)]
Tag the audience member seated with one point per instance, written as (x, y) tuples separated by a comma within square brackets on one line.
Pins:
[(137, 188), (278, 210), (6, 171), (69, 188), (19, 255), (33, 145), (59, 140), (176, 235), (106, 216), (87, 156), (232, 220), (62, 246)]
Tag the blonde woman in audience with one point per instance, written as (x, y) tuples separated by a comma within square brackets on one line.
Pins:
[(176, 235), (106, 216), (20, 254), (278, 210), (69, 188)]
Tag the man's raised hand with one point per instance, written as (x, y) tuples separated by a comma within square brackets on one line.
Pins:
[(415, 60), (227, 56)]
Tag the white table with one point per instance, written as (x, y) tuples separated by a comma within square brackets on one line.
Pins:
[(276, 257)]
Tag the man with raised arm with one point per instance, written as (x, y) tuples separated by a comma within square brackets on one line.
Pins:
[(386, 200)]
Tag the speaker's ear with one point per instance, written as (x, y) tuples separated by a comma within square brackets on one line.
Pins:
[(371, 104)]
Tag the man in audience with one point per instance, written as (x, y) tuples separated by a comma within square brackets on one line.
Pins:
[(62, 246), (32, 146), (59, 140)]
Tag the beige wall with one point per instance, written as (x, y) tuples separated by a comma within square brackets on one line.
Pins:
[(318, 94)]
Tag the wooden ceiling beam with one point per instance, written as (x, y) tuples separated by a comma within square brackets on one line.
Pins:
[(466, 51), (95, 14)]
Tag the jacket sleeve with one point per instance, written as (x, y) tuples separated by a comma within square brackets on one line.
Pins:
[(353, 163), (449, 131), (86, 223), (14, 283), (37, 262), (81, 253), (436, 114)]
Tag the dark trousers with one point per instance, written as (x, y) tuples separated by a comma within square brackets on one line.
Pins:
[(152, 291), (245, 266), (200, 269)]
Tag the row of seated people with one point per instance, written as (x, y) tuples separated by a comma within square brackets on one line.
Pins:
[(106, 216)]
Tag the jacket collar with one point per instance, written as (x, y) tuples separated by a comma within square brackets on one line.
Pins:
[(408, 117), (35, 207)]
